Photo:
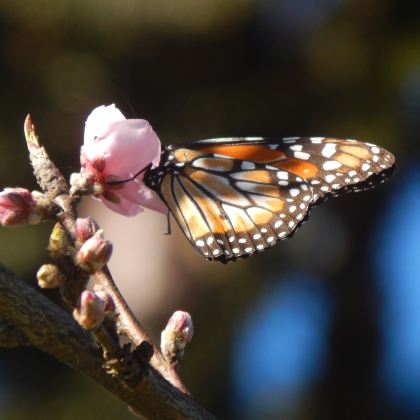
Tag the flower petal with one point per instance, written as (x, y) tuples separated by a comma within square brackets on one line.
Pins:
[(129, 146), (138, 193), (99, 121), (124, 207)]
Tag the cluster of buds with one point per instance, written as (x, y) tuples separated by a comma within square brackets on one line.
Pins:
[(19, 206), (177, 333), (92, 309)]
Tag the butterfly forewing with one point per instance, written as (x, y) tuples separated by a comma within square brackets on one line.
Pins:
[(230, 208), (331, 166)]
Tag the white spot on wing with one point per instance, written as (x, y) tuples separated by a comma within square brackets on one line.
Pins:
[(247, 165), (302, 155), (330, 165), (328, 150), (282, 175), (296, 147)]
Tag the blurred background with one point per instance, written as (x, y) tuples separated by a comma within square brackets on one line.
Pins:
[(323, 326)]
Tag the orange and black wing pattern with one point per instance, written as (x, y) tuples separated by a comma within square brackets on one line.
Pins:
[(237, 196), (331, 166)]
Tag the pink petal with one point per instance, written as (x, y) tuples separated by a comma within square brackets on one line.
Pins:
[(99, 121), (124, 207), (129, 146), (138, 193)]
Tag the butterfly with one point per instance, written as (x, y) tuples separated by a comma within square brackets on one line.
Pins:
[(233, 197)]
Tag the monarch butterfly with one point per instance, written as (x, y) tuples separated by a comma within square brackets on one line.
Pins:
[(233, 197)]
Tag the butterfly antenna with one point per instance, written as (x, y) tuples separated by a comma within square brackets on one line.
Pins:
[(125, 98)]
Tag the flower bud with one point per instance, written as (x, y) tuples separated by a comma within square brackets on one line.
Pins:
[(58, 244), (50, 276), (90, 310), (177, 333), (108, 302), (18, 206), (94, 253), (85, 228)]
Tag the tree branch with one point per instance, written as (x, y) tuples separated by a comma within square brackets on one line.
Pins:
[(52, 330), (11, 336), (129, 326)]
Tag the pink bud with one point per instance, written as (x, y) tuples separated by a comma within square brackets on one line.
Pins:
[(85, 228), (15, 206), (177, 333), (108, 302), (115, 148), (93, 254), (181, 323), (90, 310), (18, 206)]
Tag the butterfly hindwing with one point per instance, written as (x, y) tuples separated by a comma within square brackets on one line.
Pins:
[(230, 208)]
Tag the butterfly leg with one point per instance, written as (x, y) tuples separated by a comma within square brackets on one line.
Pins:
[(168, 225)]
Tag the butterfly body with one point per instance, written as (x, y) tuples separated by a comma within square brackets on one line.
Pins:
[(233, 197)]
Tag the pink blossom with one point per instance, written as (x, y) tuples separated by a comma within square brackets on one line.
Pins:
[(115, 149)]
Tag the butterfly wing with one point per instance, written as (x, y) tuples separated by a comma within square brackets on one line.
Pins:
[(331, 166), (230, 208), (235, 196)]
